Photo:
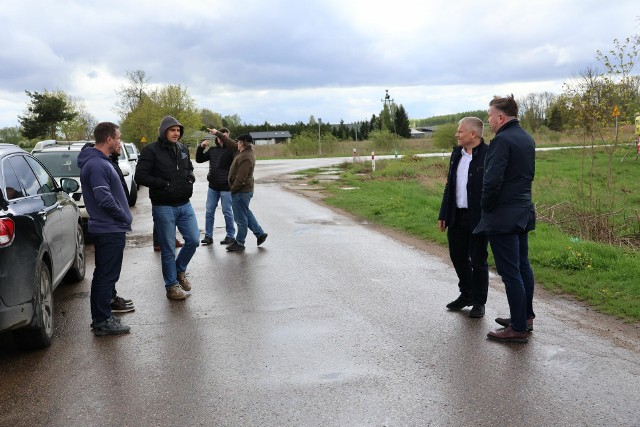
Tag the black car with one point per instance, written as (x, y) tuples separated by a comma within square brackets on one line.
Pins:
[(41, 244)]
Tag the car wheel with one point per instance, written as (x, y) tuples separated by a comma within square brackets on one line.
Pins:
[(78, 269), (40, 335), (133, 196)]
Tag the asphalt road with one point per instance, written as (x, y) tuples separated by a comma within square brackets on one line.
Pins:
[(330, 322)]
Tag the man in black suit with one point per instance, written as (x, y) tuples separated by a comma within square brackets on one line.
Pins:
[(460, 214), (508, 215)]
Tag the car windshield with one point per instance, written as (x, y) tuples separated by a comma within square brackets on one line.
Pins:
[(60, 163)]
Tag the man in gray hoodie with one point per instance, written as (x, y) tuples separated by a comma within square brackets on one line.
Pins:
[(165, 167), (109, 221)]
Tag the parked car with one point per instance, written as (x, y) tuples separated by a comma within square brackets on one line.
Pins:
[(41, 244), (132, 153), (60, 157)]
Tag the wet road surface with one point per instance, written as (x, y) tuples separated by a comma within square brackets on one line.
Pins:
[(328, 323)]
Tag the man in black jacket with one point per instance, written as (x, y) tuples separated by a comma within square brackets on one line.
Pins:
[(508, 215), (219, 158), (460, 213), (165, 167)]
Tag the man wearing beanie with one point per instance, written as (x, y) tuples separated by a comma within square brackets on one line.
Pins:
[(165, 167), (241, 184)]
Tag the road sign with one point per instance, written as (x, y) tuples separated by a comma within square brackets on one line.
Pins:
[(616, 112), (143, 139)]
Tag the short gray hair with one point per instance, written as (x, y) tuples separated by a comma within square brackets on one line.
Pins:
[(473, 123)]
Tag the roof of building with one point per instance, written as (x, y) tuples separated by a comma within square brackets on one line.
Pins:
[(270, 134)]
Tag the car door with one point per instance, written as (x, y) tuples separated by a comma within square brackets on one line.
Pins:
[(65, 210)]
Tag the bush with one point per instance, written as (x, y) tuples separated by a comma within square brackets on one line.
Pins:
[(444, 136)]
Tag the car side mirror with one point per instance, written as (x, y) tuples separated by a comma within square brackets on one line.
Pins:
[(69, 185)]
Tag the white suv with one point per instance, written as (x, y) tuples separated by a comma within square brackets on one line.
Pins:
[(61, 157)]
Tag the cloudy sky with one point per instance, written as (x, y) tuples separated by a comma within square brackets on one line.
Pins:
[(282, 61)]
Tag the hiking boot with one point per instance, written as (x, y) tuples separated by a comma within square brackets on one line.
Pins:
[(119, 305), (235, 247), (184, 282), (228, 241), (508, 335), (176, 292), (207, 240), (262, 238), (460, 303), (111, 326), (506, 322)]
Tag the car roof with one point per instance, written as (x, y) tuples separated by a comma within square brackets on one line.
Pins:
[(10, 148), (54, 145)]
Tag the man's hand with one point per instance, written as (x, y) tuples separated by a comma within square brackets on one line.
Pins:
[(204, 143), (213, 131), (441, 225)]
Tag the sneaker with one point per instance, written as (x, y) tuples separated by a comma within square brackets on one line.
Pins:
[(460, 303), (184, 282), (126, 301), (176, 292), (235, 247), (119, 305), (111, 326), (508, 335), (262, 238), (207, 240), (477, 311), (506, 322), (228, 241)]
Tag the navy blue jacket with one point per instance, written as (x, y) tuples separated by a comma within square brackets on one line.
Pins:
[(104, 196), (474, 186), (509, 170)]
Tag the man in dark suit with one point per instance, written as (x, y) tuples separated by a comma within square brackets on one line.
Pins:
[(508, 215), (460, 214)]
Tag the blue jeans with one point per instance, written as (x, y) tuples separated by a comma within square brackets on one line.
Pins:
[(109, 249), (511, 253), (165, 220), (212, 203), (244, 217)]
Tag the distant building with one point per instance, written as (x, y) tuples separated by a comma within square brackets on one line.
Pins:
[(421, 132), (271, 137)]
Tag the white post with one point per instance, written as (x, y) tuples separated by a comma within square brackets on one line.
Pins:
[(373, 161)]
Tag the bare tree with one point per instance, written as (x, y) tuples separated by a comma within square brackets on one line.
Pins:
[(132, 95)]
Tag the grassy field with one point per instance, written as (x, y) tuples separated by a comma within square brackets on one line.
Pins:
[(586, 242)]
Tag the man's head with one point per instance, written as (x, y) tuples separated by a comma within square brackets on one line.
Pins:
[(170, 129), (107, 136), (501, 110), (469, 132), (224, 131), (244, 141)]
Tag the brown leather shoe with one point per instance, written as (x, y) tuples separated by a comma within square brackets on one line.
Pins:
[(506, 321), (509, 335), (156, 248), (179, 244)]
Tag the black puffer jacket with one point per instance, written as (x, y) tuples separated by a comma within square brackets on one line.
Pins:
[(166, 168), (219, 158)]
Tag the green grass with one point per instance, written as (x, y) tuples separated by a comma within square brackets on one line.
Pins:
[(406, 194)]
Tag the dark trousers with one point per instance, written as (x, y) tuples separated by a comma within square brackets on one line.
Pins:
[(469, 254), (511, 253), (109, 249)]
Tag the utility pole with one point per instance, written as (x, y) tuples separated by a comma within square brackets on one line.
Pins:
[(385, 100), (319, 141)]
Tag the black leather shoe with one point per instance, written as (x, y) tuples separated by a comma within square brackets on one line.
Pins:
[(262, 238), (228, 241), (506, 322), (459, 304), (235, 247), (207, 240), (477, 310)]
